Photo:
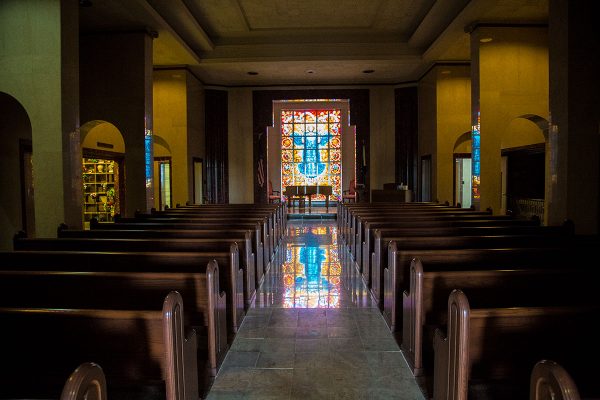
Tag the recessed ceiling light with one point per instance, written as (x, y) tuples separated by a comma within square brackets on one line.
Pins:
[(252, 73), (485, 39), (368, 71), (445, 71), (310, 71)]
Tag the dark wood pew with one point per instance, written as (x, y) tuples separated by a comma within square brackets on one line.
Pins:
[(230, 275), (276, 212), (396, 276), (352, 215), (86, 382), (363, 231), (345, 210), (45, 285), (262, 264), (492, 350), (375, 258), (408, 243), (153, 244), (425, 305), (550, 381), (145, 353), (260, 228), (275, 230), (249, 249)]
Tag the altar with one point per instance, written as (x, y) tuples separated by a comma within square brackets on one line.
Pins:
[(300, 192)]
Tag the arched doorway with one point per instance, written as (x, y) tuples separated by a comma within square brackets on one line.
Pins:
[(103, 174), (17, 210)]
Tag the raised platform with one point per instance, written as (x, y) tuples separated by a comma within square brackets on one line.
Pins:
[(317, 211)]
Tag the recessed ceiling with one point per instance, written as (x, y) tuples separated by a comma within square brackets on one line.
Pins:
[(221, 40)]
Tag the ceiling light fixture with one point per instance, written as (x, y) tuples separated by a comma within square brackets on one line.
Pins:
[(252, 73), (485, 39), (368, 71), (310, 71)]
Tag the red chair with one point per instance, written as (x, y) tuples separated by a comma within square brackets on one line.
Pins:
[(274, 198), (351, 194)]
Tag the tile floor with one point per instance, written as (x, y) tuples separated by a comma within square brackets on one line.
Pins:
[(314, 332)]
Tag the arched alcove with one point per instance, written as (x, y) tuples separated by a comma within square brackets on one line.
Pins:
[(17, 201), (524, 165), (103, 174)]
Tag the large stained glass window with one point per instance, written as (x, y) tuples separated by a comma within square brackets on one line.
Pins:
[(311, 152)]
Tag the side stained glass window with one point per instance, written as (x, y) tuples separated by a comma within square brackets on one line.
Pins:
[(311, 149)]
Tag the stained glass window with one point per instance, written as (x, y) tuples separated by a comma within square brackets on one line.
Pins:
[(311, 149)]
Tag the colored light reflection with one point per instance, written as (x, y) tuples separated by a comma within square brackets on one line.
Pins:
[(312, 269)]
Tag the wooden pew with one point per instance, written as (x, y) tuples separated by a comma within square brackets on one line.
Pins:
[(46, 286), (354, 214), (145, 354), (432, 219), (214, 221), (276, 213), (424, 304), (275, 230), (550, 381), (230, 277), (249, 248), (396, 276), (259, 232), (86, 382), (494, 349), (153, 244), (375, 258)]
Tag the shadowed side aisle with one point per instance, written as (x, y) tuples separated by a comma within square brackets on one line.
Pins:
[(314, 332)]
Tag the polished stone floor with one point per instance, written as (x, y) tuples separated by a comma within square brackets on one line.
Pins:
[(314, 332)]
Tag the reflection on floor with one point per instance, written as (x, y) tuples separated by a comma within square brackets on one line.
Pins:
[(314, 332)]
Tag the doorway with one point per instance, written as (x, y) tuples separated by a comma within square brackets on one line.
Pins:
[(198, 181), (462, 180), (163, 167)]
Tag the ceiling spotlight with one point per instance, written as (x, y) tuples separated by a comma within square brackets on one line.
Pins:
[(310, 71), (252, 73), (485, 39), (85, 3), (368, 71)]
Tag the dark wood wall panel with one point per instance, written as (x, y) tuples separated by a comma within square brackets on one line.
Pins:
[(263, 117), (406, 110), (217, 166)]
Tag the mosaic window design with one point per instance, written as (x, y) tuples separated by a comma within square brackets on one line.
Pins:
[(476, 160), (312, 269), (311, 152)]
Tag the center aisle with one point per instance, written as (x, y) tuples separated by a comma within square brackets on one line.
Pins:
[(314, 332)]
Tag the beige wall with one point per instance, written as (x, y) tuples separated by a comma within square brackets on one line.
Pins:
[(513, 81), (453, 119), (382, 140), (30, 66), (170, 123), (240, 146)]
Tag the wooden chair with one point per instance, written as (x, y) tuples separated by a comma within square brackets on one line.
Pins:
[(274, 195), (351, 194)]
